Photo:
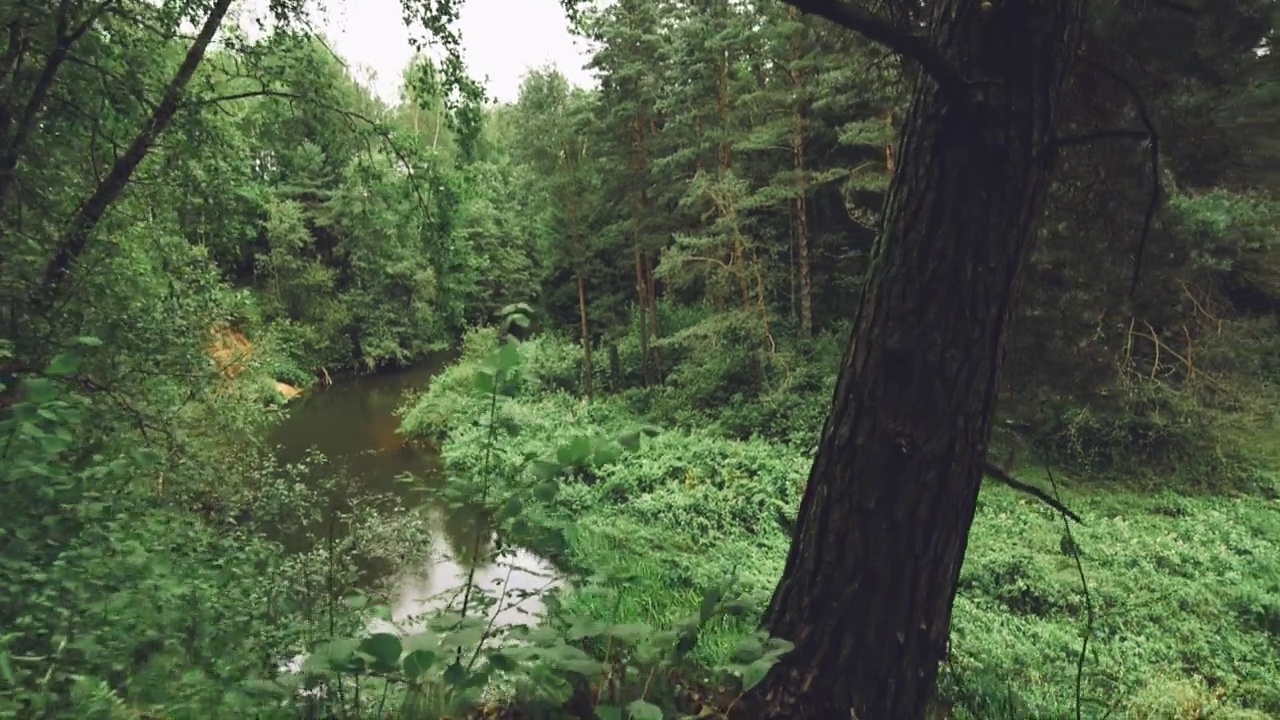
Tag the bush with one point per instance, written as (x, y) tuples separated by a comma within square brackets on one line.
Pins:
[(1184, 589)]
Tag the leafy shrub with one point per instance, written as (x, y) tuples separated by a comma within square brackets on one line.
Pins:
[(1183, 589)]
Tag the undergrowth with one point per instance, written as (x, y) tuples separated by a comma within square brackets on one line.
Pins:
[(669, 539), (1185, 588)]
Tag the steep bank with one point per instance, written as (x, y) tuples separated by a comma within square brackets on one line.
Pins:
[(233, 353)]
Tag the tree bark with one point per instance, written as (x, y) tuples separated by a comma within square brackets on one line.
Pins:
[(799, 207), (646, 304), (869, 583), (588, 386), (642, 307)]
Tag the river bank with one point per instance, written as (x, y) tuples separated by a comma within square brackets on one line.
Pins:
[(354, 424), (1184, 589)]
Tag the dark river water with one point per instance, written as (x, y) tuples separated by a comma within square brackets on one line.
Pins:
[(353, 423)]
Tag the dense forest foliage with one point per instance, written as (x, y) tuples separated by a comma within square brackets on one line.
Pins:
[(646, 289)]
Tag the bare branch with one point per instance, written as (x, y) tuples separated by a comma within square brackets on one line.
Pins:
[(996, 473), (894, 37), (1153, 143)]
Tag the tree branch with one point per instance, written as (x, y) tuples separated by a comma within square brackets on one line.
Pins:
[(894, 37), (387, 137), (65, 37), (1153, 147), (996, 473), (108, 191)]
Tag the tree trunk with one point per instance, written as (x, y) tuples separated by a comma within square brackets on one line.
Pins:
[(108, 191), (800, 205), (587, 384), (655, 322), (615, 368), (869, 583), (14, 138), (646, 302), (580, 258), (801, 210), (642, 306)]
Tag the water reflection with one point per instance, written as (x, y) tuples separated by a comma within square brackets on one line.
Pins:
[(514, 583), (354, 425)]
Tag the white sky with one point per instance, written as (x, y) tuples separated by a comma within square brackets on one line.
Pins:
[(502, 39)]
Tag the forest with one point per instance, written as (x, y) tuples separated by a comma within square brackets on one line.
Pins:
[(828, 358)]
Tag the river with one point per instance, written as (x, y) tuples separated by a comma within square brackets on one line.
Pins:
[(353, 423)]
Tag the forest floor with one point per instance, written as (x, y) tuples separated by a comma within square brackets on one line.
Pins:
[(1184, 588)]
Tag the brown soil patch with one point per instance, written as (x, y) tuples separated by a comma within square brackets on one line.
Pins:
[(230, 350)]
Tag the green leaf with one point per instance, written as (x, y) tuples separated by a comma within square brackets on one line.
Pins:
[(642, 710), (520, 528), (355, 602), (508, 358), (574, 660), (739, 608), (754, 673), (630, 441), (710, 601), (264, 689), (89, 341), (577, 452), (418, 663), (607, 452), (384, 648), (546, 491), (456, 674), (485, 381), (515, 307), (146, 457), (464, 637), (426, 640), (513, 507), (585, 627), (6, 669), (687, 642), (317, 663), (63, 364), (340, 654), (546, 469), (40, 390), (501, 662), (629, 632), (608, 712), (748, 650), (553, 542)]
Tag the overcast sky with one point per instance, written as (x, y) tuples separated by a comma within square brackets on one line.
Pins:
[(502, 39)]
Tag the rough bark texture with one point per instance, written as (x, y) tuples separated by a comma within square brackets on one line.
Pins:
[(868, 587), (799, 209)]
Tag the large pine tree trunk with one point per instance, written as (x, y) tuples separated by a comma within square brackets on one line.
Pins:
[(868, 587)]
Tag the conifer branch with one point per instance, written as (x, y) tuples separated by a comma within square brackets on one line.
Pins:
[(894, 37)]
